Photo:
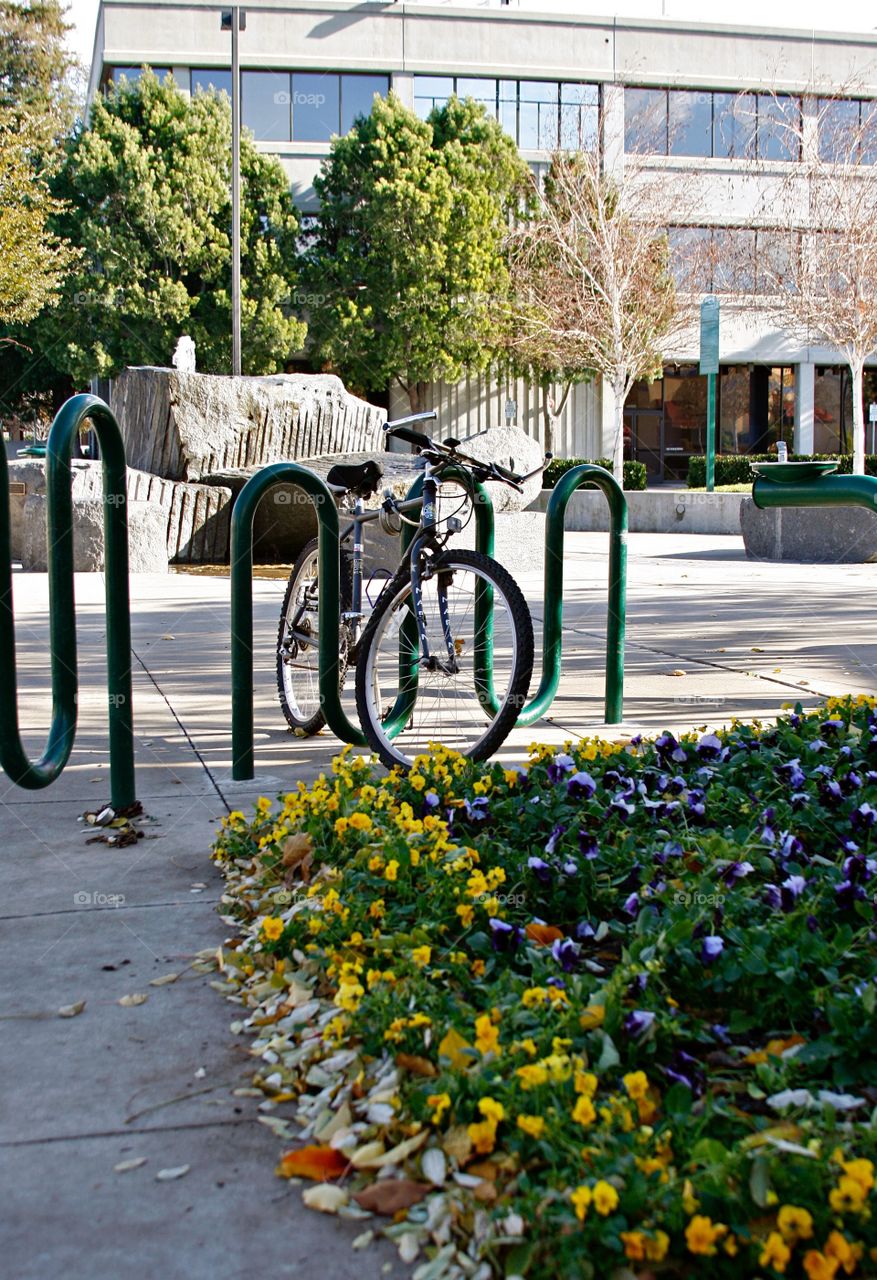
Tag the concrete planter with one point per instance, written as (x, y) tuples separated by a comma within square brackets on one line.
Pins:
[(809, 535), (655, 511)]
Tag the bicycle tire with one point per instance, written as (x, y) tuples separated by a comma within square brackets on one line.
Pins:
[(297, 660), (477, 739)]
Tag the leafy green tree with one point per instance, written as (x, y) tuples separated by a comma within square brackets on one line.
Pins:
[(36, 68), (146, 187), (32, 259), (406, 270)]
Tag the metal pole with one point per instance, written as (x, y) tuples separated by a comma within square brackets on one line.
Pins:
[(235, 193), (710, 432)]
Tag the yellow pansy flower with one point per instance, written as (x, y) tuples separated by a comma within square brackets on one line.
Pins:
[(272, 927), (775, 1253), (795, 1223), (605, 1197), (532, 1125), (581, 1199), (486, 1035), (421, 955)]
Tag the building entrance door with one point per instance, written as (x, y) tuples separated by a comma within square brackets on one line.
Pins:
[(644, 439)]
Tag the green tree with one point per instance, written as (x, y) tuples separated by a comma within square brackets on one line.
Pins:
[(406, 271), (146, 186), (32, 260), (36, 68)]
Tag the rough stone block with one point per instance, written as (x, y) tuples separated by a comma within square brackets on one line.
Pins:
[(147, 536), (809, 535), (183, 425)]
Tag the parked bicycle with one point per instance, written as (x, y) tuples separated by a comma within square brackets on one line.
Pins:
[(424, 672)]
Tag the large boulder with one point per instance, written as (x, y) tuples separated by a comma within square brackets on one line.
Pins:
[(512, 448), (147, 536), (195, 516), (184, 425)]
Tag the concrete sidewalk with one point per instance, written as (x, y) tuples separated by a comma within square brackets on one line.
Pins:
[(82, 921)]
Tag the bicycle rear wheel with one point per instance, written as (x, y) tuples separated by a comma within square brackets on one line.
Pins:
[(298, 683), (405, 707)]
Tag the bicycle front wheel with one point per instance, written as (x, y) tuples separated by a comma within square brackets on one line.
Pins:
[(404, 705)]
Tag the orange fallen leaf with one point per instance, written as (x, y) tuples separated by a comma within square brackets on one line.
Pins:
[(484, 1170), (319, 1163), (392, 1195), (416, 1065), (298, 854), (543, 934)]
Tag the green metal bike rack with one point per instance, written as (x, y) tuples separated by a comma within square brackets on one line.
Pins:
[(552, 626), (328, 615), (62, 609)]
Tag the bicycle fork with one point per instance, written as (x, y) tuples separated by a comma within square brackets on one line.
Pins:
[(430, 661)]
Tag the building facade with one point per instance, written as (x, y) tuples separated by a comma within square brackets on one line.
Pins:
[(309, 68)]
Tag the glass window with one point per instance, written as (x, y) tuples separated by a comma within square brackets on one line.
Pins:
[(508, 107), (538, 115), (431, 91), (781, 404), (646, 395), (690, 123), (734, 260), (774, 261), (733, 408), (133, 74), (779, 127), (645, 121), (734, 125), (207, 78), (357, 96), (315, 106), (691, 258), (483, 91), (265, 104), (838, 126), (684, 409), (579, 117)]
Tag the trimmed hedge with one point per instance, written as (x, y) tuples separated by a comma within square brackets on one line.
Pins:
[(732, 468), (634, 472)]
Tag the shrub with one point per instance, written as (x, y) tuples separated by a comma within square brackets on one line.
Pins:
[(615, 1009), (635, 475), (732, 468)]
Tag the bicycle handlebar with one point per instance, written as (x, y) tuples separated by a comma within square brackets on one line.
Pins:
[(448, 453)]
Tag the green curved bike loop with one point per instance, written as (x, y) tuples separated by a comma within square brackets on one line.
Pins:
[(328, 615), (19, 768)]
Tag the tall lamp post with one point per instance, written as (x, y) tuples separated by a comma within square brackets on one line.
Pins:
[(235, 21)]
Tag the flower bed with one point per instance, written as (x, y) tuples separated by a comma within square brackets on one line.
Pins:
[(610, 1014)]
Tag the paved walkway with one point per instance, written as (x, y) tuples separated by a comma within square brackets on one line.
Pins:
[(158, 1080)]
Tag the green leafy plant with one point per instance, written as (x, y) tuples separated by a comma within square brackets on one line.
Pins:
[(614, 1009), (733, 468), (635, 474)]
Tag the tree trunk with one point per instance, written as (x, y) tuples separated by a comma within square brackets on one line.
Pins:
[(618, 438), (547, 417), (416, 394), (857, 370)]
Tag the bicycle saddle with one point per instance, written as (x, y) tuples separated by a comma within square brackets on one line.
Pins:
[(359, 478)]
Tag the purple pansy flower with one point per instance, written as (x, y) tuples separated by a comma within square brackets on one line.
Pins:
[(540, 868), (505, 937), (581, 785), (638, 1022), (588, 845), (566, 953), (551, 843), (712, 948)]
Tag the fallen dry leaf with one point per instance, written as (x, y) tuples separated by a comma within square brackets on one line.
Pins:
[(71, 1010), (401, 1152), (170, 1175), (416, 1065), (452, 1047), (164, 980), (457, 1144), (320, 1163), (298, 854), (486, 1192), (391, 1196), (125, 1166), (136, 997), (678, 672), (324, 1199), (543, 934)]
